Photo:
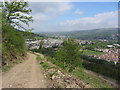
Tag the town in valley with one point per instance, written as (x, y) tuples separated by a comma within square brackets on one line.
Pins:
[(110, 52)]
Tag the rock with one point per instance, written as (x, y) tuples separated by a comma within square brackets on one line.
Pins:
[(53, 77), (68, 87), (10, 85), (87, 86), (72, 86), (67, 81), (51, 70), (59, 72)]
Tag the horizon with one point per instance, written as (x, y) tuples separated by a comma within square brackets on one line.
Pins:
[(73, 31)]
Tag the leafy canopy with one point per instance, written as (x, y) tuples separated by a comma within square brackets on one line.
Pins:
[(17, 13), (69, 54)]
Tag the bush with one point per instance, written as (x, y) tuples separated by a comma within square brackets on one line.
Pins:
[(69, 55)]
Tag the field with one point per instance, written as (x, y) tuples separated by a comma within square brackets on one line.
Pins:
[(90, 52)]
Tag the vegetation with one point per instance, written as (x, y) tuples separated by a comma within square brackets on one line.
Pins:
[(69, 54), (46, 51), (93, 80), (53, 73), (101, 66), (98, 44), (41, 44), (4, 69), (32, 36), (13, 45), (90, 52), (17, 12), (45, 65), (38, 58), (66, 57)]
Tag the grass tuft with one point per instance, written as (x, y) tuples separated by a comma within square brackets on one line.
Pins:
[(45, 65), (4, 69), (38, 58)]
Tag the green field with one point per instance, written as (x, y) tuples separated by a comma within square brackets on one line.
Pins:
[(90, 52)]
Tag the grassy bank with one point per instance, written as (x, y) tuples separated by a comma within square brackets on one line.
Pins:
[(94, 81)]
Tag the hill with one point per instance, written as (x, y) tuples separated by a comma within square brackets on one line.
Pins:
[(31, 35), (105, 33)]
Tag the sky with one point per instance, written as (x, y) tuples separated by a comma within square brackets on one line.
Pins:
[(73, 16)]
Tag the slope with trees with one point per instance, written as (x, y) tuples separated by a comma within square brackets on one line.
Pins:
[(13, 15)]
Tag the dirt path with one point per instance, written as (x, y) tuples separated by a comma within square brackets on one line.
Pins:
[(25, 75)]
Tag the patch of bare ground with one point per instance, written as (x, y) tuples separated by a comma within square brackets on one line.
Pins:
[(27, 74)]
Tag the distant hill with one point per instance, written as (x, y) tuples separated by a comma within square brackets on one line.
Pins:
[(31, 35), (105, 33)]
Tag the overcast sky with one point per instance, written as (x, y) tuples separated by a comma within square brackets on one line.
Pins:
[(72, 16)]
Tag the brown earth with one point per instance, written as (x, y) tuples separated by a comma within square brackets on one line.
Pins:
[(28, 74)]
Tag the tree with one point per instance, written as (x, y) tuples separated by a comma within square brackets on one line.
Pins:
[(17, 13), (13, 14), (69, 54), (41, 44)]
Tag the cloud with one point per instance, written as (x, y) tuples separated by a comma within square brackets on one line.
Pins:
[(43, 11), (78, 12), (102, 20)]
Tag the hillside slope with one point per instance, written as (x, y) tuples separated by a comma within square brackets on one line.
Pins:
[(105, 33)]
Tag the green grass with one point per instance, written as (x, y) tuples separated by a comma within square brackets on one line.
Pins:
[(45, 65), (53, 73), (4, 69), (38, 58), (94, 81), (90, 52)]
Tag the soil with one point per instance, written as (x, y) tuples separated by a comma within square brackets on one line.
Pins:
[(27, 74)]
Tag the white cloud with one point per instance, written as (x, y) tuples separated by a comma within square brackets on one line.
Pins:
[(47, 10), (102, 20), (78, 12), (42, 12)]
